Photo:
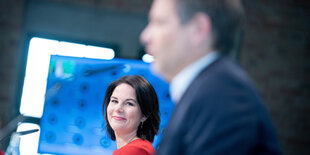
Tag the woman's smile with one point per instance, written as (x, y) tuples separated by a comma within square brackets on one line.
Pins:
[(119, 118)]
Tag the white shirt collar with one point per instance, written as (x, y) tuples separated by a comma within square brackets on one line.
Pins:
[(182, 80)]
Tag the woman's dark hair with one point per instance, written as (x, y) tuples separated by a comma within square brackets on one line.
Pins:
[(147, 100)]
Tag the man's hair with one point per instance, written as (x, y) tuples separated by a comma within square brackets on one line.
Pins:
[(147, 100), (227, 18)]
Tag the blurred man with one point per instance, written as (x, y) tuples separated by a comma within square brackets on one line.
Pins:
[(217, 111)]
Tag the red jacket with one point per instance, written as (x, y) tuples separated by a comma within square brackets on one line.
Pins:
[(136, 147)]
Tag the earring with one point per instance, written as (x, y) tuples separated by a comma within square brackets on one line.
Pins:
[(141, 125)]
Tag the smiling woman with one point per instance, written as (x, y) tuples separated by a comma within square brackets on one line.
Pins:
[(131, 112)]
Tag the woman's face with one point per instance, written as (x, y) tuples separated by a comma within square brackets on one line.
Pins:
[(124, 113)]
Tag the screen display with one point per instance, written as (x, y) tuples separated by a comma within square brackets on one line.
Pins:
[(72, 120)]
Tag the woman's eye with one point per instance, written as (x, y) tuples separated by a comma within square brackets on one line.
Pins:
[(130, 104), (114, 101)]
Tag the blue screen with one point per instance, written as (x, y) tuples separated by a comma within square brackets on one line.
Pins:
[(72, 120)]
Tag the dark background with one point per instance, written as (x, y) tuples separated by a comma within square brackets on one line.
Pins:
[(275, 51)]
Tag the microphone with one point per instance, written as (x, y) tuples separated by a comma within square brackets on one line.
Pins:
[(21, 133)]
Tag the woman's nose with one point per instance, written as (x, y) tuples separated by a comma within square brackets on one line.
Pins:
[(119, 108)]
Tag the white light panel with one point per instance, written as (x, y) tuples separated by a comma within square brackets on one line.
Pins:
[(40, 50)]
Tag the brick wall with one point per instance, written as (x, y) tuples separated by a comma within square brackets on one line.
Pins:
[(10, 34), (132, 6), (275, 53)]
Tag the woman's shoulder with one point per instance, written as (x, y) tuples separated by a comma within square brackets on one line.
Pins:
[(136, 147)]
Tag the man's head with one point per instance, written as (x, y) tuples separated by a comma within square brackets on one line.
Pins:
[(181, 31)]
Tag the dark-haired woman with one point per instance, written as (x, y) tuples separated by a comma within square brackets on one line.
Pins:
[(131, 112)]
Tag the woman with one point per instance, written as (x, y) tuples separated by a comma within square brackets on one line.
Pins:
[(131, 113)]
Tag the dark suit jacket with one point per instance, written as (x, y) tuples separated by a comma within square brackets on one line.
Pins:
[(220, 113)]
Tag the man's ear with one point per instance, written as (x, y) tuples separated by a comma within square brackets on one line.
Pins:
[(201, 29)]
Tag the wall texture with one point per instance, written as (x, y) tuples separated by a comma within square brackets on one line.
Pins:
[(275, 53), (11, 18)]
